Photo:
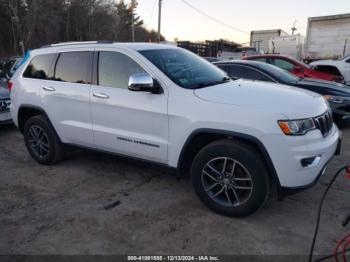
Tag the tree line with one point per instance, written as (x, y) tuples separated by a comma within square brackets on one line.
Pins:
[(33, 23)]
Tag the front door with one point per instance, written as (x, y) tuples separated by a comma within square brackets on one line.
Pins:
[(127, 122)]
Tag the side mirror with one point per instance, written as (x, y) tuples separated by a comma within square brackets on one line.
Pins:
[(143, 82)]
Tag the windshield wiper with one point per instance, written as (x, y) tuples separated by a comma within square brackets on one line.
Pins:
[(206, 84), (234, 78)]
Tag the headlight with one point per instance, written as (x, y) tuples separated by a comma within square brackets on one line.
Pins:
[(334, 99), (297, 127)]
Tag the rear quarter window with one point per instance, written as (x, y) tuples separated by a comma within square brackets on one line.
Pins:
[(39, 67)]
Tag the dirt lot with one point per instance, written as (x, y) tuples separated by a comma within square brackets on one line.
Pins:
[(60, 210)]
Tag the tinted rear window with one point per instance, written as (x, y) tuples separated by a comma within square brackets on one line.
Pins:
[(39, 67), (74, 67)]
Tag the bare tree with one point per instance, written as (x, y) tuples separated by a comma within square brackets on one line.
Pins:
[(39, 22)]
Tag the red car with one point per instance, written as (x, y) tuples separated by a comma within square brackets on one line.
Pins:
[(294, 66)]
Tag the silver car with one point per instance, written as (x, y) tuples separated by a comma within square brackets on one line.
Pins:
[(5, 116)]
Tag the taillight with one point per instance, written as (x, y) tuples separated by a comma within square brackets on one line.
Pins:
[(9, 86)]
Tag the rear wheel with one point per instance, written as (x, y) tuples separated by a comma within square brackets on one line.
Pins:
[(230, 178), (41, 140)]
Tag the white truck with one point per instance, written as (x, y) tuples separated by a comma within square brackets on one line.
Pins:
[(260, 39), (290, 45), (327, 48), (328, 37)]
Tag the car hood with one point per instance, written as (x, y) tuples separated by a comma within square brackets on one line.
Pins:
[(331, 88), (293, 103)]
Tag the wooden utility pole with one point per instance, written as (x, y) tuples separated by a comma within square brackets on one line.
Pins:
[(159, 18), (132, 25)]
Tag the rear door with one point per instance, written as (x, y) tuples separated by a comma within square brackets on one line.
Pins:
[(127, 122), (66, 97)]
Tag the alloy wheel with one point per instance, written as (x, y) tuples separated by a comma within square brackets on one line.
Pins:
[(38, 141), (227, 181)]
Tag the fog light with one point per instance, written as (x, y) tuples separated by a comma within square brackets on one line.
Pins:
[(310, 161)]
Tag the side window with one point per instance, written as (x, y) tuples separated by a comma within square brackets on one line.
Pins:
[(224, 68), (39, 67), (235, 71), (283, 64), (347, 61), (245, 72), (114, 69), (74, 67), (260, 60)]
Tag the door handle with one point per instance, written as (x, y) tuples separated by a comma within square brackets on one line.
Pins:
[(49, 88), (101, 95)]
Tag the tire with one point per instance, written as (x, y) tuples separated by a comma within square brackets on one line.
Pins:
[(249, 182), (49, 150)]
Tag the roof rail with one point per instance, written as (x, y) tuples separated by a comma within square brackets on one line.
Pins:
[(79, 43)]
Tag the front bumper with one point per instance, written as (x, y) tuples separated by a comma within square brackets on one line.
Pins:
[(284, 191), (287, 153)]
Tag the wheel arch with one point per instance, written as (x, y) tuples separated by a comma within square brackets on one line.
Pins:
[(27, 111), (330, 69), (202, 137)]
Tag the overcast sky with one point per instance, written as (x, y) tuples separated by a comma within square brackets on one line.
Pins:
[(183, 22)]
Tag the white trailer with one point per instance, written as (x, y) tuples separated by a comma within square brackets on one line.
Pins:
[(291, 45), (328, 37), (259, 39)]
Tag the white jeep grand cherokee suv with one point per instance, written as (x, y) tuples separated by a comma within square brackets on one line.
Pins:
[(166, 105)]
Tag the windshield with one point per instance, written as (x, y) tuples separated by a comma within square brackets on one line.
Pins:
[(279, 73), (299, 62), (185, 68)]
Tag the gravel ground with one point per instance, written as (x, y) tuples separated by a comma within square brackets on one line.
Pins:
[(61, 209)]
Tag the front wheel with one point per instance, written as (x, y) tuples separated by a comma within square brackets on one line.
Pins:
[(230, 178)]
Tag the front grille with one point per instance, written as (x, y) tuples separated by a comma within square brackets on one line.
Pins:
[(324, 123), (5, 105)]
